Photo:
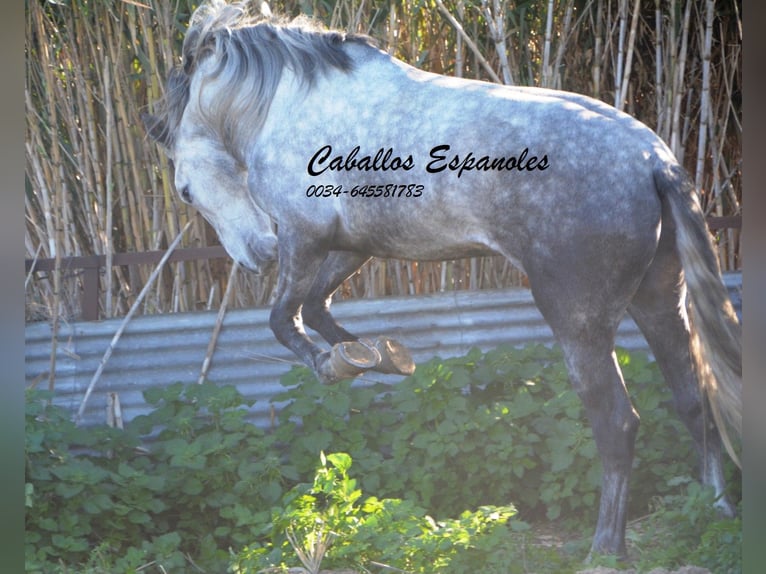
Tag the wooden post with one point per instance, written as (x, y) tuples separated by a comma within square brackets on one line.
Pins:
[(90, 287)]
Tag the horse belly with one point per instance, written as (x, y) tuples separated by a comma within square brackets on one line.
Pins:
[(413, 231)]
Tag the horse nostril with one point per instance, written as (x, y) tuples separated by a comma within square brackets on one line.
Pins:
[(186, 194)]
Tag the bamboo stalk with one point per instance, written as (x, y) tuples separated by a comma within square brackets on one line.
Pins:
[(658, 87), (154, 95), (56, 195), (43, 193), (470, 43), (87, 105), (546, 72), (392, 31), (596, 66), (678, 83), (109, 224), (622, 17), (623, 89), (459, 49), (496, 25), (562, 44), (705, 98), (670, 67)]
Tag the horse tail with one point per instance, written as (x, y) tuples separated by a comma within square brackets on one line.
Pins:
[(715, 331)]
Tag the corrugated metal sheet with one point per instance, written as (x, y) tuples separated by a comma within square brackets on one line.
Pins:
[(164, 349)]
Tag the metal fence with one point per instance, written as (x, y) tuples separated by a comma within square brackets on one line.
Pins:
[(163, 349)]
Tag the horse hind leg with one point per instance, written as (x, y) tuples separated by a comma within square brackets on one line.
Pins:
[(596, 377), (655, 308), (585, 327)]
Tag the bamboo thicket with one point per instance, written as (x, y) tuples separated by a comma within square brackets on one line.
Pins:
[(96, 185)]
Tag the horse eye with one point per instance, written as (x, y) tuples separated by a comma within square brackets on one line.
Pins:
[(186, 194)]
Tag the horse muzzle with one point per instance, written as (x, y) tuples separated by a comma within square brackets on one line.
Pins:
[(261, 257), (258, 268)]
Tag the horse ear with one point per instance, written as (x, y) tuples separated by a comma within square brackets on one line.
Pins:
[(156, 129)]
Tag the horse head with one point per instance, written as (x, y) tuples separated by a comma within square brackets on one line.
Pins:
[(215, 184)]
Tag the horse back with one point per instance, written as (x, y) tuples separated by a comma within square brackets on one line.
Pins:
[(385, 156)]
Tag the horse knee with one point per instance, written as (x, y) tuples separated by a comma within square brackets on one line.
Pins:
[(285, 324)]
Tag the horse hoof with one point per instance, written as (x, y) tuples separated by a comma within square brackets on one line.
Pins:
[(348, 360), (395, 359)]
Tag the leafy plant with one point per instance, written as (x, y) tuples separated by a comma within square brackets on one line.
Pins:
[(441, 456), (482, 429), (194, 490), (327, 521)]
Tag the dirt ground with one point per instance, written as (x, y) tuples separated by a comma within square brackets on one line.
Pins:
[(599, 570), (682, 570)]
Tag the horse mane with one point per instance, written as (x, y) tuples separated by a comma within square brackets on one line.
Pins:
[(163, 126), (249, 54)]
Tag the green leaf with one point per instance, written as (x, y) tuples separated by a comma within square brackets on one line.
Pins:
[(192, 486), (138, 517), (97, 503), (271, 491), (562, 460), (154, 395), (316, 441), (189, 460), (340, 460), (302, 407), (69, 543), (150, 482), (69, 490), (338, 404), (49, 524)]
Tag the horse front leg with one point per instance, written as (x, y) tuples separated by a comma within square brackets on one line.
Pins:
[(339, 265), (298, 270)]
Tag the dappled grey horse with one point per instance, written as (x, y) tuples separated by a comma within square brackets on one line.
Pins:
[(352, 154)]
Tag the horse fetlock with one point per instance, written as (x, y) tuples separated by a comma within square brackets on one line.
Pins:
[(724, 507), (323, 368)]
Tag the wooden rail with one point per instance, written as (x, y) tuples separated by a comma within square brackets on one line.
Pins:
[(91, 265)]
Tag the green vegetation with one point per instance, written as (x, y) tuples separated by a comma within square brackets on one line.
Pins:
[(464, 462)]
